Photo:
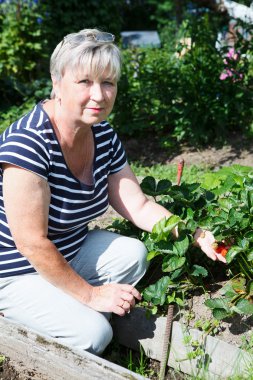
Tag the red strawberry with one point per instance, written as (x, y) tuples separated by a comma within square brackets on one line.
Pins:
[(221, 247)]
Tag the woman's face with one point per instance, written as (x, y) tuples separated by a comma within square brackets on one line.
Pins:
[(85, 99)]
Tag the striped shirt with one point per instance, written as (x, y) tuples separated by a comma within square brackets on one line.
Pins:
[(31, 143)]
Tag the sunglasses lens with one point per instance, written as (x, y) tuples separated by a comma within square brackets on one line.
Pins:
[(105, 37)]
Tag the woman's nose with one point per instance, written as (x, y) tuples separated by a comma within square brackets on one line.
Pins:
[(96, 92)]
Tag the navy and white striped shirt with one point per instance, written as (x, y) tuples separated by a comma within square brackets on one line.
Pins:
[(31, 143)]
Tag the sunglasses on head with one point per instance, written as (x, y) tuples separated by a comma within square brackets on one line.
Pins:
[(76, 38)]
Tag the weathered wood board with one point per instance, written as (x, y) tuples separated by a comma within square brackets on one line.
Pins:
[(49, 360)]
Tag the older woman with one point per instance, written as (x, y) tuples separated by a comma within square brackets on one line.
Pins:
[(61, 165)]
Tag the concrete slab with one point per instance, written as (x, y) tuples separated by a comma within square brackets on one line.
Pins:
[(218, 359)]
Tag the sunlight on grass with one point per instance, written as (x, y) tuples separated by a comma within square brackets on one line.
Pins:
[(191, 173)]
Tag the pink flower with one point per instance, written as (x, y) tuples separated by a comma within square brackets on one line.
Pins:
[(231, 72)]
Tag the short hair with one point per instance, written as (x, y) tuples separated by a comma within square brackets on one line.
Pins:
[(86, 49)]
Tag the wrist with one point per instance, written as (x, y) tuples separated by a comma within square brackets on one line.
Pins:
[(198, 236), (87, 294)]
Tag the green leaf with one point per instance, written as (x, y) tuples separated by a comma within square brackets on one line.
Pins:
[(249, 235), (172, 263), (163, 186), (156, 293), (148, 185), (250, 256), (232, 253), (244, 244), (163, 228), (221, 313), (238, 284), (217, 303), (245, 306), (210, 182), (179, 301), (152, 254), (198, 271), (227, 203), (181, 245), (177, 273), (235, 217), (250, 288)]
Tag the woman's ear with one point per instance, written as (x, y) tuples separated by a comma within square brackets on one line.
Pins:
[(56, 89)]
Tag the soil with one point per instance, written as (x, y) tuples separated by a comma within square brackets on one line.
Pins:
[(149, 152)]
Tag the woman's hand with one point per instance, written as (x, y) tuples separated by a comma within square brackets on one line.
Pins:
[(205, 239), (116, 298)]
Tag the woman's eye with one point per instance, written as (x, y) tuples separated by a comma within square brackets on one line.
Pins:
[(85, 81), (108, 83)]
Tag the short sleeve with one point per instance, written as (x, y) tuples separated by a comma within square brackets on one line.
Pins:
[(119, 159), (26, 149)]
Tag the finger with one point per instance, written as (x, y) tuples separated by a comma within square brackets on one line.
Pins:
[(126, 306), (130, 289), (127, 296), (221, 258), (119, 311), (211, 254)]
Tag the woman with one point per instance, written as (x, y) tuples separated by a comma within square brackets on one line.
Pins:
[(61, 165)]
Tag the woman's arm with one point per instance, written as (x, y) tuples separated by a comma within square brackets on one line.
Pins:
[(26, 200), (127, 198)]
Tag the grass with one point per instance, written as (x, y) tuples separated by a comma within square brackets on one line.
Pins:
[(191, 173)]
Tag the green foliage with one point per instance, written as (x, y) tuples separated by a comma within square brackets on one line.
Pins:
[(38, 90), (65, 17), (227, 211), (22, 47), (175, 95), (181, 96), (169, 171)]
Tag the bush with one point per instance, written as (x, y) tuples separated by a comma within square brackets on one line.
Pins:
[(182, 96), (23, 53)]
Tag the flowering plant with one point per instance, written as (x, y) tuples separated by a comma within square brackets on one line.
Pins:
[(231, 62)]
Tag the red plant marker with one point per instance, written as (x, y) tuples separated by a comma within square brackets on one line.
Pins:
[(180, 168)]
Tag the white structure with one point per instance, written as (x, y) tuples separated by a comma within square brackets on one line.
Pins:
[(240, 11)]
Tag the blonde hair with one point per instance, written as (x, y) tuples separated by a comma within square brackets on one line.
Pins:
[(86, 49)]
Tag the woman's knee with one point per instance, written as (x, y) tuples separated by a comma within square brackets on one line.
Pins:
[(135, 258)]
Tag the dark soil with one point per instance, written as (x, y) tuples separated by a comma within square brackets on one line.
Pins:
[(148, 151)]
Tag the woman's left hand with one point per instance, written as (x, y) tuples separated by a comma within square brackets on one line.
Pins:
[(205, 239)]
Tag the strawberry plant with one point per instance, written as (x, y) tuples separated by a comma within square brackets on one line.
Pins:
[(223, 204)]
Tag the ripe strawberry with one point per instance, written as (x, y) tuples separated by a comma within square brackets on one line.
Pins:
[(221, 247)]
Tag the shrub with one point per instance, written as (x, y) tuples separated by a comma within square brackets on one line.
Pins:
[(183, 96), (22, 47)]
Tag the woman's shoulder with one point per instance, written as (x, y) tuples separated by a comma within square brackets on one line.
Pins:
[(33, 123)]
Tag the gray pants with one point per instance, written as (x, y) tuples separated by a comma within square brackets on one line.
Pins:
[(30, 300)]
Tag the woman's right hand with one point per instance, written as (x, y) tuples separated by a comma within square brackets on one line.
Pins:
[(115, 298)]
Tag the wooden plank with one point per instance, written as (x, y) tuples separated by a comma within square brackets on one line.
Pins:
[(226, 360), (48, 360)]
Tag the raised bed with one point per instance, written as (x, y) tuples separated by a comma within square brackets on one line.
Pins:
[(136, 329), (40, 358)]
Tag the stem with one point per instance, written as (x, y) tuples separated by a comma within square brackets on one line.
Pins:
[(245, 267)]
